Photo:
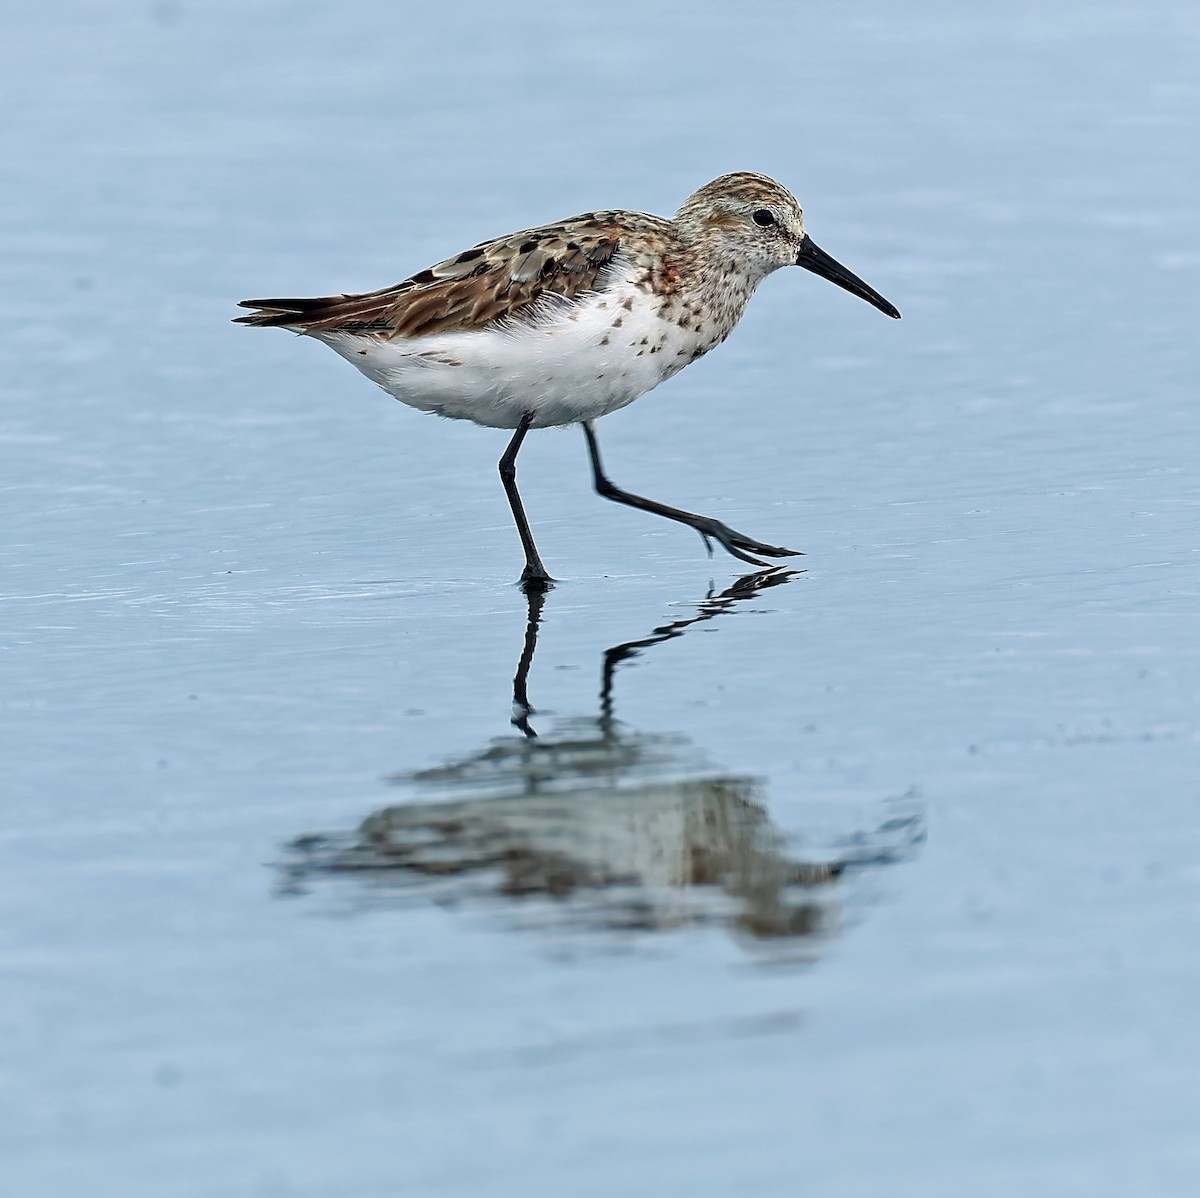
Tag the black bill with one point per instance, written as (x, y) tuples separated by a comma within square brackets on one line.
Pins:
[(813, 258)]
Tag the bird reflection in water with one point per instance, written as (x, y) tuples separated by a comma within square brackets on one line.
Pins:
[(593, 822)]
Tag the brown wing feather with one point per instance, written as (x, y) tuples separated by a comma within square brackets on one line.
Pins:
[(495, 280)]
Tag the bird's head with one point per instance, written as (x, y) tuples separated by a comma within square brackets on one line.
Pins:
[(760, 224)]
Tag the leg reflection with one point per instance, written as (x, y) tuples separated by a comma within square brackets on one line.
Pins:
[(622, 829)]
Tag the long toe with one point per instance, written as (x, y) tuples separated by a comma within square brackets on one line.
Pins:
[(768, 550), (742, 557)]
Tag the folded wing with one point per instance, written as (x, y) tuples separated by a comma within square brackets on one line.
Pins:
[(496, 280)]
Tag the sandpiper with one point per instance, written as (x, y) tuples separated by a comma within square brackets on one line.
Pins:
[(567, 322)]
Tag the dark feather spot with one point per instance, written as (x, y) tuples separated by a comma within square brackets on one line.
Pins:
[(528, 247), (425, 276), (469, 255)]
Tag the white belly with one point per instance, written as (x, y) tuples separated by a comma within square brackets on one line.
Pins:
[(578, 361)]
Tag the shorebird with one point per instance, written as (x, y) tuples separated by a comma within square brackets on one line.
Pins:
[(564, 323)]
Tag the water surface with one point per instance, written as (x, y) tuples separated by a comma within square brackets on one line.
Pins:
[(879, 880)]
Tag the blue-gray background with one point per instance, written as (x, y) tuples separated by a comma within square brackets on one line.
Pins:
[(241, 587)]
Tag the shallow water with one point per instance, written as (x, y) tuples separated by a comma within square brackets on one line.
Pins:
[(878, 880)]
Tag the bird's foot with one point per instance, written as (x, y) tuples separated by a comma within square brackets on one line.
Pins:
[(737, 544), (535, 581)]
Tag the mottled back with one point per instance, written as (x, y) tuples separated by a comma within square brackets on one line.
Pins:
[(502, 278)]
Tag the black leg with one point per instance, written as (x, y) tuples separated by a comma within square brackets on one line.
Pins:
[(735, 543), (534, 575)]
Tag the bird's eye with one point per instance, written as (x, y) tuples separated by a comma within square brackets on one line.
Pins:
[(763, 217)]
